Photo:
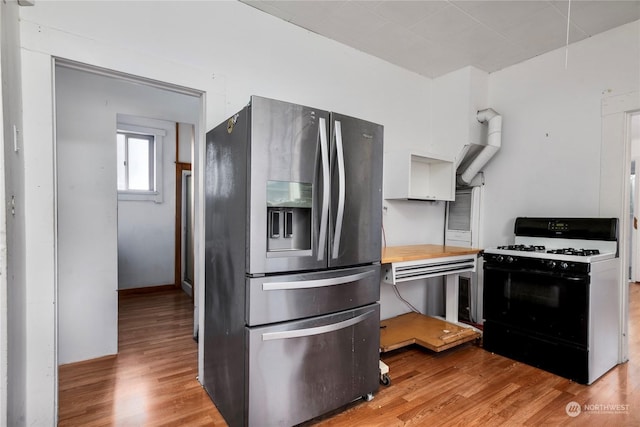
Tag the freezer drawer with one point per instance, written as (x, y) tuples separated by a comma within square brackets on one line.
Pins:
[(300, 370), (296, 296)]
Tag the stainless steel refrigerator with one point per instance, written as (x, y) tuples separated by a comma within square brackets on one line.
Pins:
[(293, 207)]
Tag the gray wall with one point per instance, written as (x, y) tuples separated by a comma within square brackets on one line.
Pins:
[(89, 235)]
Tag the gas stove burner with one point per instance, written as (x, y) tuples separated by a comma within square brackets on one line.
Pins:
[(576, 252), (523, 248)]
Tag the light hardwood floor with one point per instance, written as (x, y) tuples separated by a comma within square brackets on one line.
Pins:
[(152, 382)]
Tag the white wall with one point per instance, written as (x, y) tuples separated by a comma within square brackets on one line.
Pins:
[(39, 256), (3, 265), (146, 228), (635, 138), (13, 340), (410, 222), (8, 33), (185, 142), (549, 163), (230, 51), (457, 97), (87, 220), (551, 155)]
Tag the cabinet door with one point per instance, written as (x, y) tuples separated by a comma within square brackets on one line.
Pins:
[(300, 370)]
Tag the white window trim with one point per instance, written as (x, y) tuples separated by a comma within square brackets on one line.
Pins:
[(157, 195)]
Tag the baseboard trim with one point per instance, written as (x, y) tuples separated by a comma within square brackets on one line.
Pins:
[(187, 288), (82, 362), (147, 289)]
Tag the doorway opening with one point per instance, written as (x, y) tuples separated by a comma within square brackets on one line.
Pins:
[(95, 221), (615, 191)]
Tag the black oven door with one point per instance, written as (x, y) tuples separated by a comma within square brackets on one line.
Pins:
[(547, 304)]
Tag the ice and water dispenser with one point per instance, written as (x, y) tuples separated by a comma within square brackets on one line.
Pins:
[(289, 206)]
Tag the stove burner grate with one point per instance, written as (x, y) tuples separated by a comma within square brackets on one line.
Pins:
[(576, 252), (524, 248)]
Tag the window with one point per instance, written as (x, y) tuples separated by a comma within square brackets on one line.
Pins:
[(139, 159), (136, 162)]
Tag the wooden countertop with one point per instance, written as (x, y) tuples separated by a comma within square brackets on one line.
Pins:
[(415, 252)]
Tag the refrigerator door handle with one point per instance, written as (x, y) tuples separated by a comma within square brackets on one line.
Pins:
[(319, 283), (341, 190), (297, 333), (324, 209)]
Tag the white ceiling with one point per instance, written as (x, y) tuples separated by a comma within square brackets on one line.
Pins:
[(434, 37)]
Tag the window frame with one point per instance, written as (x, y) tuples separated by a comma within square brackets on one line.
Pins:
[(156, 168)]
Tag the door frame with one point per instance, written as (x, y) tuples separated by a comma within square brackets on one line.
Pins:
[(182, 169), (198, 192), (634, 244), (615, 189)]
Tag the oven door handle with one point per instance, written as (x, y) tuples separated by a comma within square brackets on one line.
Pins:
[(557, 274), (575, 278)]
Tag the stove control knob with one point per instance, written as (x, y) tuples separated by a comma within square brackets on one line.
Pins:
[(564, 265), (551, 264), (510, 259), (499, 258)]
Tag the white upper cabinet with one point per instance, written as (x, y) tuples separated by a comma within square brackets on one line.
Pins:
[(411, 175)]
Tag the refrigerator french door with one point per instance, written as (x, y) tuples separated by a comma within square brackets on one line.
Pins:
[(315, 188), (356, 202), (293, 209), (288, 158)]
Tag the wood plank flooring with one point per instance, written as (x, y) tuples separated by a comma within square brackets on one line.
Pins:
[(152, 382)]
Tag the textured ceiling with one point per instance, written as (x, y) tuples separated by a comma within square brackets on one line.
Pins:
[(433, 37)]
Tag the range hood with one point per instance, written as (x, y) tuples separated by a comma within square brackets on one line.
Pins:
[(474, 157)]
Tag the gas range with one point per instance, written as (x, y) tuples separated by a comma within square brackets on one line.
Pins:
[(552, 298), (555, 253), (559, 241)]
